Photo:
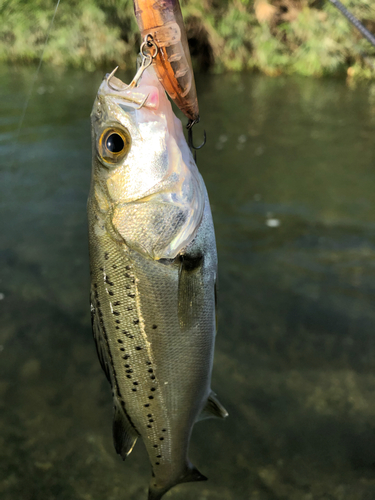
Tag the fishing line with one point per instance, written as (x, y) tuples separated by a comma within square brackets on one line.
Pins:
[(33, 81)]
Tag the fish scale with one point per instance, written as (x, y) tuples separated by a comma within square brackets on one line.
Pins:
[(116, 302)]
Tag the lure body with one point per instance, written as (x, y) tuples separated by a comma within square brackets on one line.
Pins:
[(163, 21)]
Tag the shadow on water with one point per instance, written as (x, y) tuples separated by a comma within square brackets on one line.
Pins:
[(289, 169)]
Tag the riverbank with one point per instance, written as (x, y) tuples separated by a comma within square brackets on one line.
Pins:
[(307, 37)]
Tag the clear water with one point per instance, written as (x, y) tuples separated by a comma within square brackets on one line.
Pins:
[(289, 166)]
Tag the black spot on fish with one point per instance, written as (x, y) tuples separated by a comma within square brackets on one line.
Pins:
[(149, 426), (164, 430), (158, 456), (146, 405), (134, 390), (155, 445), (122, 349), (148, 363), (154, 327), (95, 285), (151, 397), (127, 268), (111, 293), (161, 439), (127, 366), (157, 463), (116, 313), (129, 371), (119, 341), (150, 370), (135, 383), (126, 356), (117, 328), (118, 321), (114, 266), (97, 303), (151, 420), (130, 308), (108, 281), (128, 376), (101, 268), (149, 415), (136, 321), (152, 377), (117, 303), (153, 389), (131, 295), (138, 348), (106, 255)]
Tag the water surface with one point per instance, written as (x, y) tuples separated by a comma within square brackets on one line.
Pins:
[(289, 166)]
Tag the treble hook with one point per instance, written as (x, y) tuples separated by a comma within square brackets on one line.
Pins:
[(146, 62), (108, 79), (189, 127)]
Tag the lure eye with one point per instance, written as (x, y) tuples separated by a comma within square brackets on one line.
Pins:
[(114, 144)]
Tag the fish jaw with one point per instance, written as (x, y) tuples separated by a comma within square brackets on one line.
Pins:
[(157, 180)]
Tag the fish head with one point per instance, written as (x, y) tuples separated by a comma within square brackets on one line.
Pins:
[(144, 177)]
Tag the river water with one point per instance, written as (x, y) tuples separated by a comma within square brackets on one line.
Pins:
[(289, 166)]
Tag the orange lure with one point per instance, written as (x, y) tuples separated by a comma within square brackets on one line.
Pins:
[(162, 19)]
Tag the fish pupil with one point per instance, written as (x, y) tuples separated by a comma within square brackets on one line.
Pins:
[(115, 143)]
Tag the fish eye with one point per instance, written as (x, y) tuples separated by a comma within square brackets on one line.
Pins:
[(114, 144)]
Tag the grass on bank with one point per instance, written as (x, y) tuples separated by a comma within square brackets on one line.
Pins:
[(308, 37)]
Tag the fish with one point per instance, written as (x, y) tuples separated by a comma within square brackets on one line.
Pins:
[(153, 264), (163, 22)]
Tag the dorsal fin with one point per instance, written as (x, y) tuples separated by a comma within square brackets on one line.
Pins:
[(212, 409), (124, 433)]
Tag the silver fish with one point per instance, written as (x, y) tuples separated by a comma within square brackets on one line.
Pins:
[(153, 277)]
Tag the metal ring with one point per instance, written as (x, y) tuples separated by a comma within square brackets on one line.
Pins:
[(149, 42)]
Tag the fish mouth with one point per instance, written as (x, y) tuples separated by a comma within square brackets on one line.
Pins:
[(127, 97)]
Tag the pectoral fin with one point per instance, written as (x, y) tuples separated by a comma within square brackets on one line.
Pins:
[(190, 291), (213, 409), (124, 433)]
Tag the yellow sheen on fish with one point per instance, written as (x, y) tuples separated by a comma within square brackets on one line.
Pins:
[(153, 277)]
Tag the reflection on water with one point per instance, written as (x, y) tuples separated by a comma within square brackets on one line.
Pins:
[(289, 168)]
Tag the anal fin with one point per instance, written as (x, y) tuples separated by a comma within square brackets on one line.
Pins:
[(124, 433), (212, 409)]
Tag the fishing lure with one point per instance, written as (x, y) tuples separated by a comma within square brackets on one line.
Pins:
[(161, 22)]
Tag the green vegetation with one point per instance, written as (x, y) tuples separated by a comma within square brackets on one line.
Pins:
[(308, 37)]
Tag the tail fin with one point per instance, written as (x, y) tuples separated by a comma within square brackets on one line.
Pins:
[(191, 474)]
